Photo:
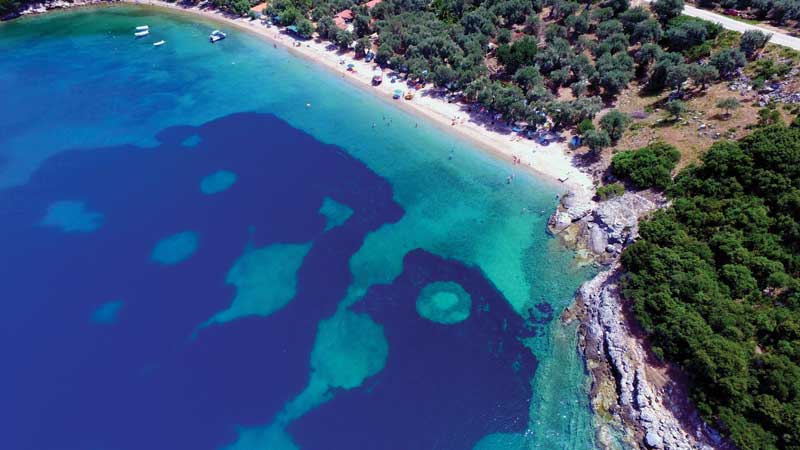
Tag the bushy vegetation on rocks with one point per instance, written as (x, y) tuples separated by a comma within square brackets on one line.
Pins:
[(715, 280), (647, 167)]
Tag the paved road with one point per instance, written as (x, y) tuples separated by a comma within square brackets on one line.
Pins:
[(731, 24), (782, 39)]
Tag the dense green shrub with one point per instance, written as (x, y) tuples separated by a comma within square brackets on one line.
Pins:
[(615, 123), (610, 191), (585, 125), (667, 9), (647, 167), (753, 41), (727, 61), (714, 281), (9, 6), (240, 7), (596, 140)]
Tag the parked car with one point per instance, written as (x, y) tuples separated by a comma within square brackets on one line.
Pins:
[(732, 12)]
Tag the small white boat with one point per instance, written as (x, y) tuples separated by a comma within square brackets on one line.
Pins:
[(159, 43), (141, 33), (216, 35), (142, 27)]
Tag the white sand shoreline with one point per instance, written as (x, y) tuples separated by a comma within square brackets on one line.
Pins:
[(552, 162)]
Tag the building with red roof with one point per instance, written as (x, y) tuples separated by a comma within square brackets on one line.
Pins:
[(343, 19)]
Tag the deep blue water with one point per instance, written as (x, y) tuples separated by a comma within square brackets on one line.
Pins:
[(100, 383), (243, 272)]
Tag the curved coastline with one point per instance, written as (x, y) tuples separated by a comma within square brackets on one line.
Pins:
[(597, 302), (552, 163)]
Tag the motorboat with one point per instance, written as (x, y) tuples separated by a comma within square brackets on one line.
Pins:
[(216, 35), (141, 33), (142, 28), (159, 43)]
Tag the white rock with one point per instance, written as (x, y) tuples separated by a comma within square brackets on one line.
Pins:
[(653, 440)]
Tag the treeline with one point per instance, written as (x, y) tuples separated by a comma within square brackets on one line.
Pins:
[(9, 7), (777, 11), (239, 7), (715, 282), (513, 56)]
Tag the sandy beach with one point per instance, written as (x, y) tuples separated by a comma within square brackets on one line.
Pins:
[(551, 161)]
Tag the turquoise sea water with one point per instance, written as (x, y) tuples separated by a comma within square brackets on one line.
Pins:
[(266, 274)]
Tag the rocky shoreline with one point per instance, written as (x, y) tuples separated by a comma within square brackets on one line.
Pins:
[(638, 401), (43, 7)]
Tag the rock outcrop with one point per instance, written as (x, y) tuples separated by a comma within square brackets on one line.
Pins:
[(43, 7), (644, 408), (634, 401), (602, 228)]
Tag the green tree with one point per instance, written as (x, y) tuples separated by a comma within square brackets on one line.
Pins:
[(703, 74), (554, 31), (602, 14), (361, 25), (326, 29), (534, 25), (614, 72), (610, 191), (383, 54), (344, 39), (752, 41), (646, 55), (239, 7), (663, 66), (618, 5), (596, 140), (769, 116), (615, 123), (289, 16), (304, 27), (520, 53), (585, 126), (666, 10), (647, 167), (579, 23), (676, 75), (728, 104), (479, 21), (504, 36), (633, 17), (444, 76), (728, 61), (579, 88), (676, 108), (685, 34), (609, 27), (647, 31), (528, 77)]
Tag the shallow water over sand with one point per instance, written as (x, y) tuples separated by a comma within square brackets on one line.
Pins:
[(197, 259)]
